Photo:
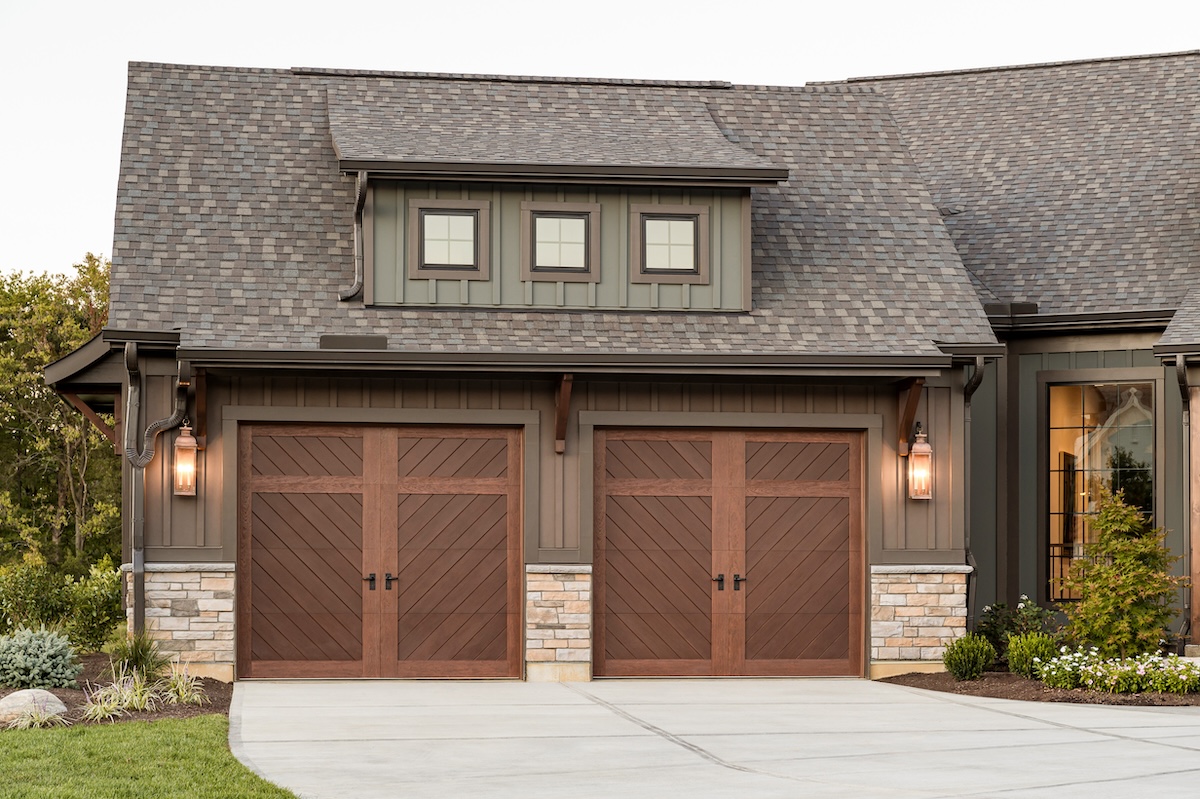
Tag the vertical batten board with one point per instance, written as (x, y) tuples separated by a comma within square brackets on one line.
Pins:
[(502, 273), (367, 242), (716, 259)]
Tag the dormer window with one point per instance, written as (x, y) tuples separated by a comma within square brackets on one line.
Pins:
[(669, 243), (449, 239), (560, 241)]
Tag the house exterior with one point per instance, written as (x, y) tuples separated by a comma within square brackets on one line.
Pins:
[(555, 378)]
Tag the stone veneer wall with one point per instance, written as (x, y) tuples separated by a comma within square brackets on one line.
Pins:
[(190, 612), (916, 610), (558, 623)]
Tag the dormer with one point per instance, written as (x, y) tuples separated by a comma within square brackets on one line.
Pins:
[(530, 194)]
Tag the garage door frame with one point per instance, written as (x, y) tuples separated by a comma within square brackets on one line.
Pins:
[(226, 449), (870, 425)]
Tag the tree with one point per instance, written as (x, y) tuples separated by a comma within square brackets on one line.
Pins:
[(59, 477)]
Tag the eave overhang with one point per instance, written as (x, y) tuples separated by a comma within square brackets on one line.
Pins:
[(879, 366), (1023, 324), (569, 173)]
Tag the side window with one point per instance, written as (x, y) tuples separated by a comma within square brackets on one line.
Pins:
[(668, 244), (449, 239), (1101, 435), (560, 242)]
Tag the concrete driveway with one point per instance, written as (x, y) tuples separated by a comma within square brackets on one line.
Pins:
[(701, 738)]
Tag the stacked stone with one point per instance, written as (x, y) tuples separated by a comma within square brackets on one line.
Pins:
[(916, 610), (558, 622), (190, 613)]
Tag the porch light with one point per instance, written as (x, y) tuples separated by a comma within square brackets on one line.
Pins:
[(920, 468), (185, 462)]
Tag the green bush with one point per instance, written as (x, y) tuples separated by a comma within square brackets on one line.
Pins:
[(31, 595), (969, 656), (999, 623), (1028, 650), (1123, 583), (139, 654), (95, 606), (37, 659)]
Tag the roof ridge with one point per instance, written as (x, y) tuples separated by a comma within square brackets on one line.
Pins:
[(464, 76), (1009, 68)]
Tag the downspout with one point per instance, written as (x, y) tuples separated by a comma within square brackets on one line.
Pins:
[(1184, 395), (968, 391), (360, 201), (138, 460)]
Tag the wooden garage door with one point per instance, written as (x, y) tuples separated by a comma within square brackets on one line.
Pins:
[(728, 552), (378, 552)]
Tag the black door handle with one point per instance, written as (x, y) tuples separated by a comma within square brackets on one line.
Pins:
[(370, 579), (737, 581), (720, 581), (388, 579)]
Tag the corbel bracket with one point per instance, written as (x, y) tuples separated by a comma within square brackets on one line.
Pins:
[(908, 410), (562, 406), (94, 418)]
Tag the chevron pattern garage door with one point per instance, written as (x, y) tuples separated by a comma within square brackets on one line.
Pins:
[(368, 552), (728, 552)]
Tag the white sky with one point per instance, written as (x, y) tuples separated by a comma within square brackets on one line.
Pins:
[(62, 89)]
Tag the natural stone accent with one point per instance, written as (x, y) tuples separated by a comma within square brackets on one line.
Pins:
[(916, 610), (18, 703), (558, 623), (190, 612)]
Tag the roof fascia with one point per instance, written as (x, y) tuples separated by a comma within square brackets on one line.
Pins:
[(570, 173), (1034, 324), (80, 360)]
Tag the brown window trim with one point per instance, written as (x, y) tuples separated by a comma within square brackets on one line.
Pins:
[(530, 211), (637, 255), (483, 242)]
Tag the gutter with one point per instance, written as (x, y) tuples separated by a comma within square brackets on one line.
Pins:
[(1022, 318), (360, 201), (138, 459), (972, 385), (1181, 377)]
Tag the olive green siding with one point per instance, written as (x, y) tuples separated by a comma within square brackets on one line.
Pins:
[(1013, 504), (900, 530), (388, 282)]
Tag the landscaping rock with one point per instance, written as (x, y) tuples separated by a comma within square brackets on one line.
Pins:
[(15, 704)]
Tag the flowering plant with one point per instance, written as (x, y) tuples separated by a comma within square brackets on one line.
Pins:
[(1087, 669)]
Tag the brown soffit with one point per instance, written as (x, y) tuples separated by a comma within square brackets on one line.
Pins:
[(572, 173)]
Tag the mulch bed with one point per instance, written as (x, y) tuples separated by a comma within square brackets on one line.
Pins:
[(1006, 685), (95, 673)]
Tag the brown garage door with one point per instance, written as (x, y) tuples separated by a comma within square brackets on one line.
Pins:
[(378, 552), (728, 552)]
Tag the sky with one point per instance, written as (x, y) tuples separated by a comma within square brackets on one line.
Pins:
[(62, 87)]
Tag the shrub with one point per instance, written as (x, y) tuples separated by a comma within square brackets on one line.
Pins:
[(31, 595), (138, 653), (95, 606), (37, 659), (182, 688), (1027, 650), (969, 656), (999, 623), (37, 717), (1124, 588)]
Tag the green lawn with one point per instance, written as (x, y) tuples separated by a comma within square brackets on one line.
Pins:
[(184, 758)]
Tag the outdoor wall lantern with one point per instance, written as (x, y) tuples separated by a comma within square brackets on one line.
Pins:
[(185, 462), (920, 468)]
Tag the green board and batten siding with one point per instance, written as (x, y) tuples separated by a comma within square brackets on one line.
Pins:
[(388, 282)]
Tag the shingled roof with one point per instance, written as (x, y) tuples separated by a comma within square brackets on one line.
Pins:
[(234, 221), (1073, 185)]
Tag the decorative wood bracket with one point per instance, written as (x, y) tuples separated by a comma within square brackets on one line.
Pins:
[(908, 410), (562, 405), (93, 417)]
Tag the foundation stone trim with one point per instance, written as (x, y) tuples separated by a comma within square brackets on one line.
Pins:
[(558, 623), (916, 611)]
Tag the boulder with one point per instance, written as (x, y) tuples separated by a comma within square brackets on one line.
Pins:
[(15, 704)]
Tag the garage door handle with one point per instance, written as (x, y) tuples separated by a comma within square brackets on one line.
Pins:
[(370, 579), (720, 581), (737, 581), (388, 579)]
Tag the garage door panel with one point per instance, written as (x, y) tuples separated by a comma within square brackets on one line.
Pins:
[(786, 521), (444, 524), (307, 455)]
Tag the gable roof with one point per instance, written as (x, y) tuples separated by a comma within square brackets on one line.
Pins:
[(1070, 185), (235, 225)]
